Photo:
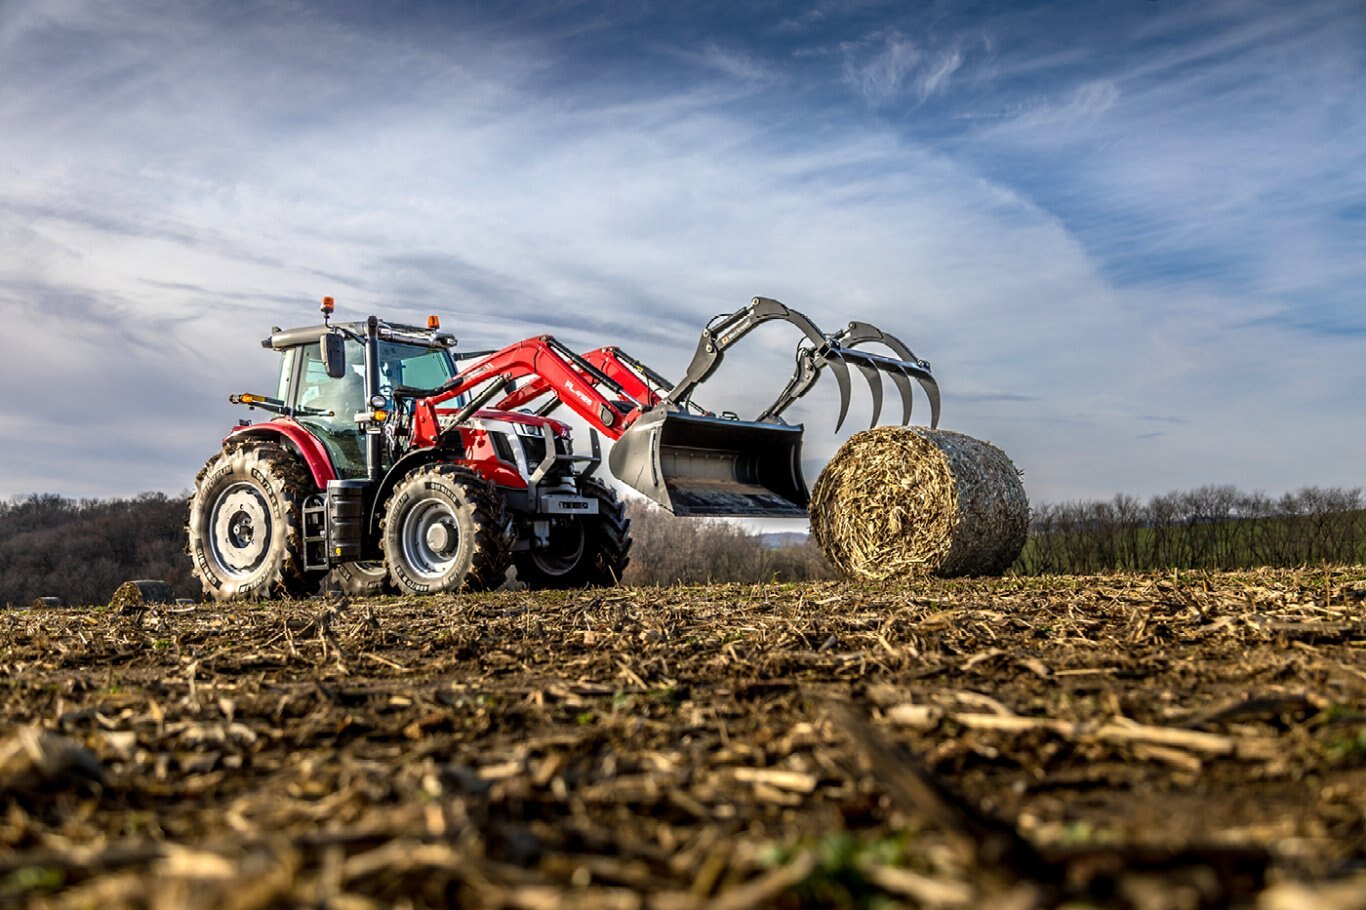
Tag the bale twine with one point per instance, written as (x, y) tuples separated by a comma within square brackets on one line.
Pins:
[(900, 501)]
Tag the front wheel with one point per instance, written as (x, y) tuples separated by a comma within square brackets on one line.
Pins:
[(446, 529), (583, 551), (245, 529)]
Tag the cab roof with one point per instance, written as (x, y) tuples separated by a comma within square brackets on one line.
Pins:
[(283, 339)]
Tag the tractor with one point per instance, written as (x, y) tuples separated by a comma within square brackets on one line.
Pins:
[(397, 464)]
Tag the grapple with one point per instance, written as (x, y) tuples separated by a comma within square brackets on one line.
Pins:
[(693, 462)]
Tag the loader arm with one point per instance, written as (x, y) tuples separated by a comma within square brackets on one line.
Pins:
[(665, 446), (638, 382), (690, 463), (574, 381)]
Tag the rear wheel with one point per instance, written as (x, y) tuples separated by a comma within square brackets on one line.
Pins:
[(587, 551), (245, 534), (446, 529), (363, 579)]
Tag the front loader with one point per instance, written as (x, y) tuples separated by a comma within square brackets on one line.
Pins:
[(397, 464)]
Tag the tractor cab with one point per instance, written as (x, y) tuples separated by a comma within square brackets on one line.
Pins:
[(336, 408)]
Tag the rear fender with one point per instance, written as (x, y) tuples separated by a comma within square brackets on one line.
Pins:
[(302, 441)]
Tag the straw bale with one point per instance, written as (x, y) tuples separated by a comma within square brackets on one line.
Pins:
[(898, 501), (141, 592)]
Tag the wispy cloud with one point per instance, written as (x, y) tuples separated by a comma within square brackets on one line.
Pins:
[(730, 62), (886, 66)]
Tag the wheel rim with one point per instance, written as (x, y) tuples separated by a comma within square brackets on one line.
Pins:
[(240, 530), (564, 552), (430, 539)]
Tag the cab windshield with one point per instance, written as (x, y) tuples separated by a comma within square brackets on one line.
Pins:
[(413, 366), (329, 407)]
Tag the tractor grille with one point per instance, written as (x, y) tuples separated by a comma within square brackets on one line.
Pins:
[(534, 447)]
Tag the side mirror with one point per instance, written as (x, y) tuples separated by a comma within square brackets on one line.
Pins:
[(334, 355)]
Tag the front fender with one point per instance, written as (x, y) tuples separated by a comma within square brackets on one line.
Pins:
[(401, 467)]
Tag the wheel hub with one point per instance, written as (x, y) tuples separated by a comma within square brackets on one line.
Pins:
[(430, 538), (241, 528), (441, 538)]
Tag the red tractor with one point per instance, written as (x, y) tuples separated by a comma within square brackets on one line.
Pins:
[(397, 464)]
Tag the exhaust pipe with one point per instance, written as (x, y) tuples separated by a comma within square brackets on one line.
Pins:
[(713, 466)]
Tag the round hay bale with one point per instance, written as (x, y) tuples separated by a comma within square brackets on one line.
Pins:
[(133, 595), (899, 501)]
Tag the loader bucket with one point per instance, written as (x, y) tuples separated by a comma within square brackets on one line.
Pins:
[(713, 466)]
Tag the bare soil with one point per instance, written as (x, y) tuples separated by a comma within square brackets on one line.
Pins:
[(1131, 741)]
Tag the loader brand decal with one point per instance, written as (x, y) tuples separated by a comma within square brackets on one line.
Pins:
[(578, 393)]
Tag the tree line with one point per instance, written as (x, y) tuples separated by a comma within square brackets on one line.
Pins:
[(80, 551), (668, 550), (1211, 527)]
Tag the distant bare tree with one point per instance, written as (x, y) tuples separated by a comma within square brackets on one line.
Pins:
[(1210, 527), (81, 551), (668, 550)]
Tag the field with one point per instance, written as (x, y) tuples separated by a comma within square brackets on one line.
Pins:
[(1136, 741)]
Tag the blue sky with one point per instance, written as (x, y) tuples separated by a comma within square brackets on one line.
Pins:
[(1129, 234)]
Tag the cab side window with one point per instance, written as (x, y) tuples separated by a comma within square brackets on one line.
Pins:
[(328, 406), (319, 392)]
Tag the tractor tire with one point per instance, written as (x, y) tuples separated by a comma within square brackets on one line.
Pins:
[(588, 551), (446, 529), (245, 531), (363, 579)]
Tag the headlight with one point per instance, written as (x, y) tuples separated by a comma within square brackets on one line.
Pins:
[(378, 401)]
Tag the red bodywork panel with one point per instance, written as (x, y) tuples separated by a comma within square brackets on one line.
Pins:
[(480, 456), (315, 456)]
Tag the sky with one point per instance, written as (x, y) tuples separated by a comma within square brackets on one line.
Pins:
[(1130, 235)]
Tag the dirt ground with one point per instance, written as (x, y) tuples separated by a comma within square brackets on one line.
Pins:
[(1123, 741)]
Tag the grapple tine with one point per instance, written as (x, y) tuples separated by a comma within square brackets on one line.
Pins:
[(932, 393), (903, 384), (863, 332), (900, 370), (874, 377), (837, 366)]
